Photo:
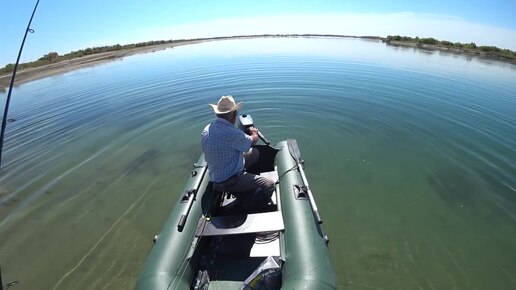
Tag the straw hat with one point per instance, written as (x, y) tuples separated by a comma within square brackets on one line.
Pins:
[(225, 105)]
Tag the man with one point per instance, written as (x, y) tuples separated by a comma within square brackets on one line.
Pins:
[(228, 152)]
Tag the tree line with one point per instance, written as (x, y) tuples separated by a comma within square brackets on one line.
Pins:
[(53, 57), (469, 47)]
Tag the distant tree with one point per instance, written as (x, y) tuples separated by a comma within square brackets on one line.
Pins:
[(51, 56), (8, 68), (429, 40), (470, 45), (489, 48)]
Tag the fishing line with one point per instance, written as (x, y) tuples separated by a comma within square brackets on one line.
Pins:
[(4, 120), (6, 109), (111, 228)]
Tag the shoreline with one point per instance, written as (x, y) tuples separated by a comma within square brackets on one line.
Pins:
[(31, 74), (469, 53)]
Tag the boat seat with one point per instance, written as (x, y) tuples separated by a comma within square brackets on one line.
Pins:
[(240, 224)]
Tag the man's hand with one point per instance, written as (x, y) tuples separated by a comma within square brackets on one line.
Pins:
[(254, 134)]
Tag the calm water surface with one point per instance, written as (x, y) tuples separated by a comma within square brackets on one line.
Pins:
[(411, 156)]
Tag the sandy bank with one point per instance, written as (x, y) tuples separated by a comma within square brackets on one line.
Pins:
[(31, 74)]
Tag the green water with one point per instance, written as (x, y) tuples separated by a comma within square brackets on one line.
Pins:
[(410, 154)]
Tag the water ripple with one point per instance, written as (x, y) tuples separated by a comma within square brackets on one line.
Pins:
[(412, 145)]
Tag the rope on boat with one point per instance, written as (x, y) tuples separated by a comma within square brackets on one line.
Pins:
[(283, 174)]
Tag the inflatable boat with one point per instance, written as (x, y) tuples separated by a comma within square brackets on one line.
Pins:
[(207, 243)]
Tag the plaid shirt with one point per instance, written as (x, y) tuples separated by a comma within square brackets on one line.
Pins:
[(223, 146)]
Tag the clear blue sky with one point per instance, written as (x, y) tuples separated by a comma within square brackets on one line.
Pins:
[(66, 25)]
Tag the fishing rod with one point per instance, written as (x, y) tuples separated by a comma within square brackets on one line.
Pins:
[(4, 120)]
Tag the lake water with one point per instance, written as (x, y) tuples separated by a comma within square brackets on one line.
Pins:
[(411, 156)]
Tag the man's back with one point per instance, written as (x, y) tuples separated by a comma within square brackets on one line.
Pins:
[(223, 146)]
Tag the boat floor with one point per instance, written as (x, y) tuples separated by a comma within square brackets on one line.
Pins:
[(236, 245), (231, 258)]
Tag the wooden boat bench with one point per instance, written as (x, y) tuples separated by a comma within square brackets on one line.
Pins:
[(240, 224)]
